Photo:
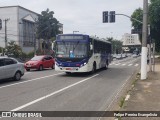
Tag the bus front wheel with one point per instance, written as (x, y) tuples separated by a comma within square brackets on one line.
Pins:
[(94, 68)]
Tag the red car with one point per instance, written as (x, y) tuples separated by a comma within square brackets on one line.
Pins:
[(40, 62)]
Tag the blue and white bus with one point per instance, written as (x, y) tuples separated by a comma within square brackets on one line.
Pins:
[(81, 53)]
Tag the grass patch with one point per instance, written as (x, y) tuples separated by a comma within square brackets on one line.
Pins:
[(122, 102), (119, 118)]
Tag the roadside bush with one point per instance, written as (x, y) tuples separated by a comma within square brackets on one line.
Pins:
[(30, 54)]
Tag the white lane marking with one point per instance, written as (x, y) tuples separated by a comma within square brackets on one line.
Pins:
[(132, 61), (27, 73), (51, 94), (123, 64), (117, 64), (136, 65), (29, 80), (130, 64)]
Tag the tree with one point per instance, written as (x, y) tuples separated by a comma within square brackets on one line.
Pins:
[(13, 49), (154, 19), (116, 45), (1, 49), (47, 25), (137, 14)]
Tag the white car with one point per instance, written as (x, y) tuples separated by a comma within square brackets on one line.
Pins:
[(119, 56), (11, 68), (135, 55)]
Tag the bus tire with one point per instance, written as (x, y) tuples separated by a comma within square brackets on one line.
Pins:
[(106, 66), (94, 68)]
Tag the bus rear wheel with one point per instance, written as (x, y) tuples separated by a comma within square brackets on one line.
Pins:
[(106, 66)]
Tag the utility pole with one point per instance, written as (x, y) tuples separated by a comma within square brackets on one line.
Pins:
[(144, 41), (35, 39), (6, 42)]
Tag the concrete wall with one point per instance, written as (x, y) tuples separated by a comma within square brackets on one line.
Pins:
[(14, 29), (12, 26)]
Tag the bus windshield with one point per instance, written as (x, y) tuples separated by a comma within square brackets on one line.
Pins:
[(71, 49)]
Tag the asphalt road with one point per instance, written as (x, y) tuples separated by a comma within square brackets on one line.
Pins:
[(50, 90)]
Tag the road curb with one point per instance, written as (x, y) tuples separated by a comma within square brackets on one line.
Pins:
[(122, 93)]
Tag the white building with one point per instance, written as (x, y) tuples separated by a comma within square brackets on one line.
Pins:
[(20, 26), (130, 39)]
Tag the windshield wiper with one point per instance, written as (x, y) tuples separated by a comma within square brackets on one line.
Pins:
[(64, 44), (75, 46)]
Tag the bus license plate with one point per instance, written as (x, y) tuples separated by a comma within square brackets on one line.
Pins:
[(68, 68)]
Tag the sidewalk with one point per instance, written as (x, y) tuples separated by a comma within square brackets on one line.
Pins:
[(145, 96)]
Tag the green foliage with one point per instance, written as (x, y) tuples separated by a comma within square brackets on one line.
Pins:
[(13, 49), (137, 14), (47, 25), (1, 49), (154, 21), (30, 54), (122, 102), (116, 45)]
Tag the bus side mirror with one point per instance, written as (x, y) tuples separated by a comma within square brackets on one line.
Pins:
[(91, 47)]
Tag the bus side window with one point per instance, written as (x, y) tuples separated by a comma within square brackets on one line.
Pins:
[(90, 52)]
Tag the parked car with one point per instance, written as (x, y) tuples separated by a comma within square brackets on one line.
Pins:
[(114, 55), (119, 56), (11, 68), (135, 55), (124, 55), (40, 62)]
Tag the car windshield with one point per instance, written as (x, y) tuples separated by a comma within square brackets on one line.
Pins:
[(71, 49), (36, 58)]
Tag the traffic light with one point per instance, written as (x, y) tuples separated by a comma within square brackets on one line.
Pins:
[(105, 17), (112, 16), (0, 24)]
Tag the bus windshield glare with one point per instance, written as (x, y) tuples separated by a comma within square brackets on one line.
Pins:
[(65, 49)]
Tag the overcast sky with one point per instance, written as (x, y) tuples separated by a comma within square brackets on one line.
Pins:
[(85, 16)]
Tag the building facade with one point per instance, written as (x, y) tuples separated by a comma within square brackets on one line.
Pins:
[(20, 27), (130, 39), (131, 42)]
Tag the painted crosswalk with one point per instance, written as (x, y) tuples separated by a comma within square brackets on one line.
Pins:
[(125, 64)]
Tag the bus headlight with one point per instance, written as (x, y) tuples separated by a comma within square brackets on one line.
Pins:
[(83, 64)]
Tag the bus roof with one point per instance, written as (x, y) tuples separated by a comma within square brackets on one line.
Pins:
[(103, 40), (96, 38)]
